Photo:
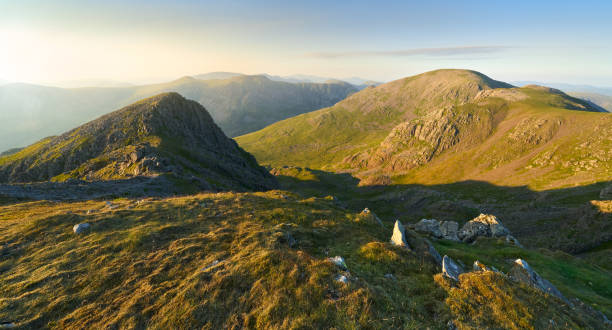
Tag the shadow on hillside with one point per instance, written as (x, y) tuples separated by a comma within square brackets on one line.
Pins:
[(571, 219)]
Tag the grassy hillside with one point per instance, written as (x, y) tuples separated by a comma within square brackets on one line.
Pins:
[(165, 136), (448, 126), (259, 260), (238, 103)]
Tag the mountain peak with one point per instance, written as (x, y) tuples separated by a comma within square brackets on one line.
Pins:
[(162, 135)]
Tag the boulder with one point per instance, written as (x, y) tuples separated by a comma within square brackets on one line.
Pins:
[(399, 235), (522, 272), (485, 225), (342, 279), (81, 228), (449, 230), (451, 269), (512, 240), (429, 226)]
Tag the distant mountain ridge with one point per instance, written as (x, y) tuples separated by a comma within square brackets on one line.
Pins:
[(165, 136), (238, 103)]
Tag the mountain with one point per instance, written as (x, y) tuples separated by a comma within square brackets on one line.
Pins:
[(447, 126), (165, 136), (604, 101), (570, 87), (239, 104), (217, 75)]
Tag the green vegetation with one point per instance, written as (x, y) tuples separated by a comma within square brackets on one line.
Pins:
[(153, 263)]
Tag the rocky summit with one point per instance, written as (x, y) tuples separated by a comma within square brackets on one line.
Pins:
[(166, 138)]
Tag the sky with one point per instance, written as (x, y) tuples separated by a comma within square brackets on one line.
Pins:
[(54, 42)]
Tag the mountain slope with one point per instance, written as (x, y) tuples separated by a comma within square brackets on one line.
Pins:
[(165, 135), (238, 104), (604, 101), (260, 261), (460, 123)]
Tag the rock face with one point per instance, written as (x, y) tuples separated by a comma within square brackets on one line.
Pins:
[(399, 235), (81, 228), (522, 272), (449, 230), (484, 225), (162, 136), (479, 267), (451, 269), (430, 226)]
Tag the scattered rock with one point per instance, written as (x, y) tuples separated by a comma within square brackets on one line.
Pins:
[(391, 277), (522, 272), (81, 228), (7, 325), (433, 252), (342, 279), (338, 261), (451, 269), (451, 325), (449, 230), (485, 225), (429, 226), (399, 235), (480, 267), (512, 240), (213, 264)]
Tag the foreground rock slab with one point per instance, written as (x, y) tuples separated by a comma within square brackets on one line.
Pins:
[(451, 269), (522, 272)]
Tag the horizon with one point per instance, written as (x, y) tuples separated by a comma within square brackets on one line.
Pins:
[(155, 41)]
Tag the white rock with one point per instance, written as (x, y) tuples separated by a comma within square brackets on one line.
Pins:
[(81, 227), (451, 269), (399, 235), (338, 261)]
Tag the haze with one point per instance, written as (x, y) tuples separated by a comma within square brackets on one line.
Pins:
[(148, 41)]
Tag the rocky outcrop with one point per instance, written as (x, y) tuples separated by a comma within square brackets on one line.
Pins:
[(485, 225), (429, 226), (449, 230), (399, 235), (451, 269), (522, 272)]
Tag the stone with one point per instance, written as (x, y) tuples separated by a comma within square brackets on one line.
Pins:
[(512, 240), (451, 269), (480, 267), (7, 325), (429, 226), (338, 261), (522, 272), (213, 264), (449, 230), (391, 277), (485, 225), (342, 279), (399, 235), (433, 252), (81, 228)]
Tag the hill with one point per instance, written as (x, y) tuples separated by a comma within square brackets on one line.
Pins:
[(165, 136), (447, 126), (239, 104), (604, 101), (261, 261)]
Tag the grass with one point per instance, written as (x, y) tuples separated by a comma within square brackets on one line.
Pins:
[(152, 263)]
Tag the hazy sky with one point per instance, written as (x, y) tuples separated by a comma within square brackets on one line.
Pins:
[(141, 41)]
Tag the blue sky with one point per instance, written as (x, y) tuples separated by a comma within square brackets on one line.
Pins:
[(140, 41)]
